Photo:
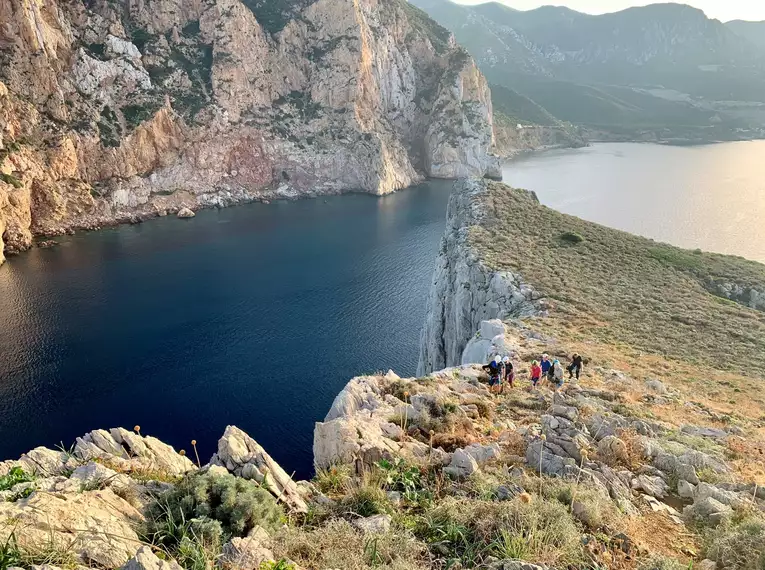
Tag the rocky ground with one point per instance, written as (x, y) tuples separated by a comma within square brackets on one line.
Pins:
[(613, 471)]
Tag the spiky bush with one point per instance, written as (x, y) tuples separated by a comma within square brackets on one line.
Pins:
[(738, 544), (658, 562), (204, 510)]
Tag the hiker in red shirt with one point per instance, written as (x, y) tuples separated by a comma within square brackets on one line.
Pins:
[(536, 373)]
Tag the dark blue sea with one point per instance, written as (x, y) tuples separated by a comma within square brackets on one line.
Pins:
[(255, 316)]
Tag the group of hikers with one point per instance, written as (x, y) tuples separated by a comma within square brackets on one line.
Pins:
[(501, 372)]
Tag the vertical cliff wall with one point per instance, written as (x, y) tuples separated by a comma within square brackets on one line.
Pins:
[(112, 110), (464, 291)]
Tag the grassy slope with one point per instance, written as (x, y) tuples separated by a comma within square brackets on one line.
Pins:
[(625, 290)]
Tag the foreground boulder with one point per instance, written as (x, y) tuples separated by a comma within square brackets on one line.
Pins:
[(98, 527), (145, 559), (129, 451), (244, 457)]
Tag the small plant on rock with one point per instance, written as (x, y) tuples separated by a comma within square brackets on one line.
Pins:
[(571, 237), (658, 562), (15, 476), (194, 519), (404, 478), (333, 480), (10, 555)]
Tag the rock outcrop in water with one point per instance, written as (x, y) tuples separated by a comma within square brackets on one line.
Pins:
[(110, 112)]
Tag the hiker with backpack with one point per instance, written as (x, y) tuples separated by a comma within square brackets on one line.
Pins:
[(575, 366), (546, 366), (495, 376), (556, 375)]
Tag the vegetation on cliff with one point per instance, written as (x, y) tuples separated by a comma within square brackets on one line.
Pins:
[(625, 290)]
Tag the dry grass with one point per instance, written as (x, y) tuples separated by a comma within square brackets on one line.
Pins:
[(661, 536), (623, 290), (738, 544), (338, 545)]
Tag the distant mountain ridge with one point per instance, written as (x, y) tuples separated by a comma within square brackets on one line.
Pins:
[(752, 31), (663, 70)]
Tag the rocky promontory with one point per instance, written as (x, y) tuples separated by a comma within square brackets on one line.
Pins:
[(651, 459), (112, 112)]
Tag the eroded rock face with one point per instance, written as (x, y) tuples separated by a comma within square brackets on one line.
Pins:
[(97, 526), (368, 419), (244, 457), (465, 292), (107, 114)]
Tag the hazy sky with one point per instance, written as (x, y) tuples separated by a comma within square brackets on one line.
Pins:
[(721, 9)]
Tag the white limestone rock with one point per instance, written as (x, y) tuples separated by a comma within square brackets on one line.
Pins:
[(145, 559), (97, 526), (245, 553), (462, 465), (244, 457), (465, 293), (685, 490), (375, 524), (612, 449)]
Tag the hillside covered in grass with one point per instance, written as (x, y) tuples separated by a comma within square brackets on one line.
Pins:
[(610, 286)]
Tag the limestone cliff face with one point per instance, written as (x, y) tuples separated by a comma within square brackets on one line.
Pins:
[(110, 111), (511, 139), (464, 291)]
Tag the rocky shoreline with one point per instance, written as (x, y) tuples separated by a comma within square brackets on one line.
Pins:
[(111, 115)]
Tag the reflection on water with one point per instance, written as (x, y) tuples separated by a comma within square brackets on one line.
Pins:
[(254, 316), (709, 197)]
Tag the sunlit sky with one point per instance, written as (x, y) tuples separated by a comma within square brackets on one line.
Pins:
[(724, 10)]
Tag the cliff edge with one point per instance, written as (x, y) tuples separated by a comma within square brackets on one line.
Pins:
[(112, 112)]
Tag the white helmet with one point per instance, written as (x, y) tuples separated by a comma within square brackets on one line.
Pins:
[(506, 359)]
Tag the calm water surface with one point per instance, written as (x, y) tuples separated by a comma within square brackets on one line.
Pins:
[(710, 197), (254, 316)]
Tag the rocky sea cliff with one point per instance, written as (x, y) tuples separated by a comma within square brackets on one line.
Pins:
[(637, 464), (111, 113)]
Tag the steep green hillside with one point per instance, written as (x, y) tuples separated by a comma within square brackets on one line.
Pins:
[(614, 287), (519, 107)]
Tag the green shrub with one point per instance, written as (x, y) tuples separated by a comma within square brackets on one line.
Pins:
[(195, 518), (594, 510), (738, 544), (10, 555), (333, 480), (15, 476), (11, 179), (338, 545), (571, 237), (405, 478), (366, 500), (540, 531)]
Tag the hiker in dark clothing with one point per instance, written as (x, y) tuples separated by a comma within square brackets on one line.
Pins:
[(495, 375), (509, 371), (546, 366), (575, 366)]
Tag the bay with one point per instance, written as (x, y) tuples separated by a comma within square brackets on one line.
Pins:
[(255, 316)]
